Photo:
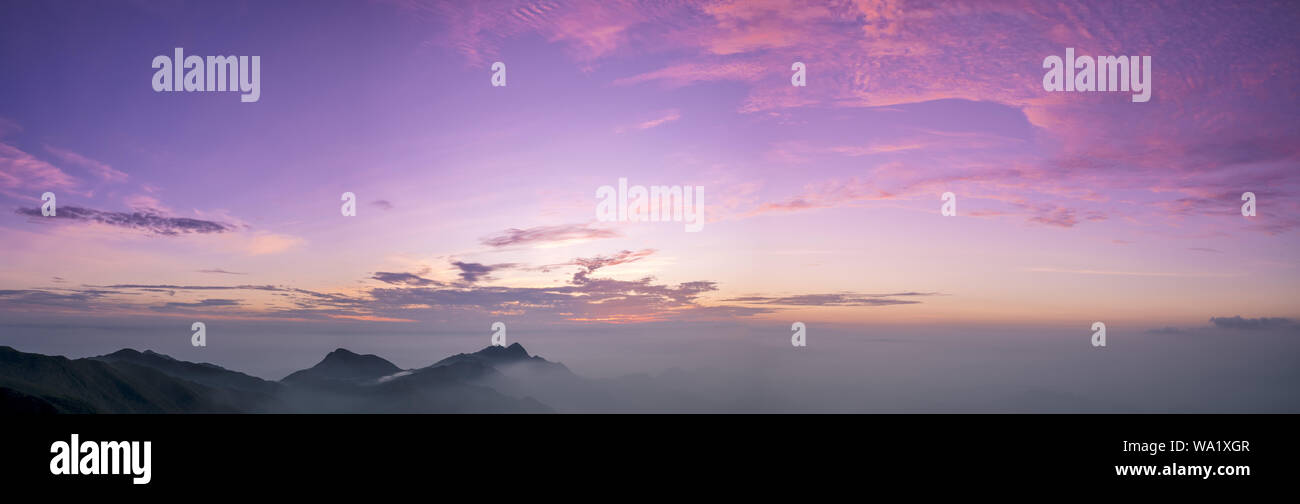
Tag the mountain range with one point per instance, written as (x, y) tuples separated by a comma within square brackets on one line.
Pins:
[(493, 380)]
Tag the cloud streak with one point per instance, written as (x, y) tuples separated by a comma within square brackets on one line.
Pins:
[(101, 170), (412, 297), (410, 279), (147, 221), (20, 170), (559, 234), (838, 299), (663, 118), (219, 271)]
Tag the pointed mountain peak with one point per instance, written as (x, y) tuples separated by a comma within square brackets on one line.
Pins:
[(513, 352), (342, 353)]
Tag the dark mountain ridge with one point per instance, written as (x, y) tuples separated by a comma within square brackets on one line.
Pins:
[(204, 373), (94, 386), (130, 381)]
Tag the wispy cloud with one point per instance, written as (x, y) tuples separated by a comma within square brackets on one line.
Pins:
[(837, 299), (411, 279), (220, 271), (560, 234), (148, 221), (101, 170), (20, 170), (411, 297), (204, 303), (28, 298), (591, 264), (662, 118), (690, 73)]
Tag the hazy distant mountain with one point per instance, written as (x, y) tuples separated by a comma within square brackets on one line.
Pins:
[(459, 387), (344, 366), (511, 356), (345, 382), (43, 383), (521, 375)]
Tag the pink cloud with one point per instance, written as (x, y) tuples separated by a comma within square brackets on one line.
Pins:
[(664, 117), (22, 171), (690, 73), (589, 29), (103, 171)]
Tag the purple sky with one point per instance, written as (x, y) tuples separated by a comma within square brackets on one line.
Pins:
[(476, 202)]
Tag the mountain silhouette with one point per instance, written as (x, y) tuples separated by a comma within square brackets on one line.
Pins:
[(492, 380), (344, 366), (498, 356), (247, 393), (203, 373), (42, 383), (345, 382)]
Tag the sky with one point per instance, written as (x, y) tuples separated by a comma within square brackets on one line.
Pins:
[(476, 203)]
